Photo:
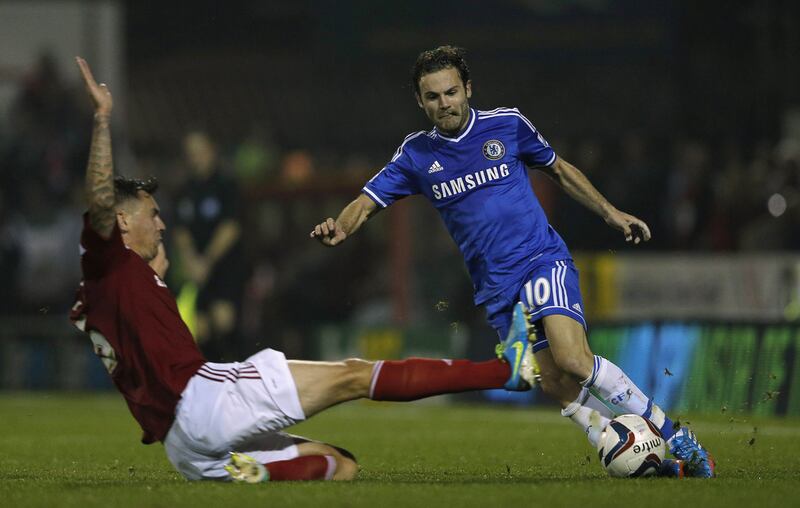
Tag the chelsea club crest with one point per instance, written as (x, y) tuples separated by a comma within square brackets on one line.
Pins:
[(493, 150)]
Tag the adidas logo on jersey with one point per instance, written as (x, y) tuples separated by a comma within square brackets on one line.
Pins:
[(435, 167), (577, 307)]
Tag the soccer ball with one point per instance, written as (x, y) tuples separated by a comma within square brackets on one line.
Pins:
[(630, 447)]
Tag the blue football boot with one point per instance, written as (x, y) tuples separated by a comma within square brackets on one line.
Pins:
[(517, 351), (696, 459), (671, 468)]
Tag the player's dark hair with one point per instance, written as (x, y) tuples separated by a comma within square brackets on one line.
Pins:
[(128, 188), (443, 57)]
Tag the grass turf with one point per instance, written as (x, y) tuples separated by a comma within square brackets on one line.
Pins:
[(83, 450)]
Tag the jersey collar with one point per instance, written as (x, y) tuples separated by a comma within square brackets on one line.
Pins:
[(463, 133)]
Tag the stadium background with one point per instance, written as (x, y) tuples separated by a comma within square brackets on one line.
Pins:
[(686, 114)]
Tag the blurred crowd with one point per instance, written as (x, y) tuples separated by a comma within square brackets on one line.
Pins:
[(697, 195)]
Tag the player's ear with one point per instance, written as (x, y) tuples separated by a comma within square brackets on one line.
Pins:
[(468, 89), (122, 221), (419, 100)]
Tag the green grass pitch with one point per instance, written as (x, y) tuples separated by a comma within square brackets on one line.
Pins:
[(83, 450)]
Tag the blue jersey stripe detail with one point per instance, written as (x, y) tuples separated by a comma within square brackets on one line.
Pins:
[(374, 196), (513, 112), (378, 174), (399, 151), (491, 112)]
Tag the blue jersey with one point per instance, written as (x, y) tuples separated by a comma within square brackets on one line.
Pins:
[(478, 181)]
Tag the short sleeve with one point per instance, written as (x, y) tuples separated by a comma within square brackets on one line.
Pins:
[(394, 181), (99, 255), (533, 149)]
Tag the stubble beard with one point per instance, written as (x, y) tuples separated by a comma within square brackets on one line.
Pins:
[(462, 121), (150, 254)]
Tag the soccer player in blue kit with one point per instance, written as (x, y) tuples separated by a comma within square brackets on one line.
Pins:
[(473, 167)]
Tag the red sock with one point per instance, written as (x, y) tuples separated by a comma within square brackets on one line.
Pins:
[(307, 467), (416, 378)]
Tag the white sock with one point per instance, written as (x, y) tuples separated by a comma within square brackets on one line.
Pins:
[(598, 405), (609, 384), (589, 414)]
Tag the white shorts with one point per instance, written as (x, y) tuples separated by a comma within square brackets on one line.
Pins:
[(234, 407)]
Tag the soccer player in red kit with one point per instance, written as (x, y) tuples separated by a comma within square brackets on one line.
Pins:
[(224, 421)]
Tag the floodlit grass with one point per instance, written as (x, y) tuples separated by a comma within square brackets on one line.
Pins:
[(83, 450)]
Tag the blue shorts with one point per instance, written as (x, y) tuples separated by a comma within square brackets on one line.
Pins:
[(551, 289)]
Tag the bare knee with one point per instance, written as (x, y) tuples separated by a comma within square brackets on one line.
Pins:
[(357, 375), (357, 364)]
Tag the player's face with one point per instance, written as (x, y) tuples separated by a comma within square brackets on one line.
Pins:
[(445, 99), (141, 226)]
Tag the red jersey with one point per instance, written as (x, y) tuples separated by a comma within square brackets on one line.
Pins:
[(133, 321)]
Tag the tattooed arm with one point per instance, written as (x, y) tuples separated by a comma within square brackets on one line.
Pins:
[(100, 169)]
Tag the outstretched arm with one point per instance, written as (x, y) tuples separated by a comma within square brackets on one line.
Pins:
[(581, 189), (332, 233), (99, 170)]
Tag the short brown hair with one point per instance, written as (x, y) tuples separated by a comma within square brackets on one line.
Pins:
[(434, 60)]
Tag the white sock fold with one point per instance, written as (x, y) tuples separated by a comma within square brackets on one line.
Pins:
[(590, 419), (598, 405)]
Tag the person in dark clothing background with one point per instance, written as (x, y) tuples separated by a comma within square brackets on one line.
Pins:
[(208, 241)]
